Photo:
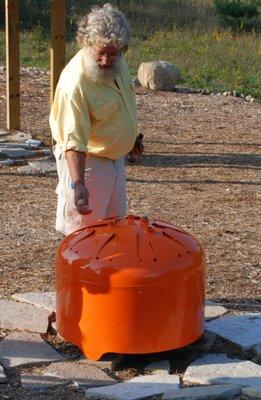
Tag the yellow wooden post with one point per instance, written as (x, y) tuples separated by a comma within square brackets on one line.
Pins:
[(12, 64), (57, 48)]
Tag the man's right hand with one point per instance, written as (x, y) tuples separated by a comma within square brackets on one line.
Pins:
[(81, 198)]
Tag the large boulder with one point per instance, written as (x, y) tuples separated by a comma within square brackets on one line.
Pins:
[(158, 75)]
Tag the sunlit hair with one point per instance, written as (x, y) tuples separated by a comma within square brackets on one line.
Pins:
[(103, 26)]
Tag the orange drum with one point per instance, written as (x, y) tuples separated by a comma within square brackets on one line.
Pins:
[(130, 286)]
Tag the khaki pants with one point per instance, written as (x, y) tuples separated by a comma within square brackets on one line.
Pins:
[(106, 182)]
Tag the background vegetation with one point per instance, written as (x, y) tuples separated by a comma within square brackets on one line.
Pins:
[(193, 34)]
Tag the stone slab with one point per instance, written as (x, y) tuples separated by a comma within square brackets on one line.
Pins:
[(106, 362), (81, 374), (243, 330), (220, 369), (3, 133), (21, 136), (252, 393), (159, 367), (34, 143), (3, 377), (18, 152), (45, 300), (26, 349), (8, 161), (204, 393), (22, 316), (40, 383), (39, 167), (137, 388), (213, 310)]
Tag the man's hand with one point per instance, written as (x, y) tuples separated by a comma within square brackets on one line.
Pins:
[(81, 198), (137, 150)]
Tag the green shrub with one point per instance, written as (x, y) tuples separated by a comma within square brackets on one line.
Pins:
[(237, 14)]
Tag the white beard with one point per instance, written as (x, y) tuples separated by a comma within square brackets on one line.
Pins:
[(97, 74)]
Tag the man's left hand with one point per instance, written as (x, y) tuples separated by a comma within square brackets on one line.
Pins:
[(137, 150)]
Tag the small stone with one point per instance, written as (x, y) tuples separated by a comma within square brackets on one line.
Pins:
[(248, 98), (243, 330), (225, 93), (159, 367), (46, 152), (242, 95), (219, 94), (218, 368), (235, 93), (253, 100), (137, 388), (81, 374), (3, 133), (3, 377), (40, 383), (14, 315), (252, 392), (203, 393), (158, 75), (45, 300), (205, 91), (2, 69), (21, 136), (26, 349), (34, 143), (213, 310)]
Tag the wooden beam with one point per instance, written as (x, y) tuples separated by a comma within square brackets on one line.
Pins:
[(12, 64), (57, 48)]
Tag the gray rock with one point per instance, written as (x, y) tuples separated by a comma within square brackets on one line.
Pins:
[(204, 393), (45, 300), (3, 377), (158, 75), (108, 362), (16, 152), (137, 388), (40, 383), (235, 93), (213, 310), (244, 330), (159, 367), (218, 368), (34, 143), (248, 98), (253, 100), (81, 374), (46, 152), (21, 136), (7, 162), (3, 133), (252, 392), (26, 349), (39, 167), (14, 315)]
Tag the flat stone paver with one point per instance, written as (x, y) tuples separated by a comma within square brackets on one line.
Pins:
[(34, 142), (81, 374), (39, 383), (220, 369), (39, 167), (8, 161), (106, 362), (159, 367), (253, 393), (136, 388), (45, 300), (16, 152), (22, 316), (244, 330), (3, 377), (204, 393), (213, 310), (26, 349)]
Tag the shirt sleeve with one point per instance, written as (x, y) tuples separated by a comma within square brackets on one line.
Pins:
[(69, 120)]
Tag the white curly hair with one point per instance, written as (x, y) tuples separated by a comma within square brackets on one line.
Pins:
[(104, 26)]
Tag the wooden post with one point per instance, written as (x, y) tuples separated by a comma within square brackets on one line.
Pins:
[(57, 48), (12, 64)]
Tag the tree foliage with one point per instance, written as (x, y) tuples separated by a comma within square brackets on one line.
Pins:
[(237, 14)]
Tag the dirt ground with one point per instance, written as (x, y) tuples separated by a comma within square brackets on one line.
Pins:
[(200, 171)]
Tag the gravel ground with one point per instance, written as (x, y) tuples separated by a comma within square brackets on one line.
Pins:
[(200, 171)]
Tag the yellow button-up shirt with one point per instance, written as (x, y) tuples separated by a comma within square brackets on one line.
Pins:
[(95, 118)]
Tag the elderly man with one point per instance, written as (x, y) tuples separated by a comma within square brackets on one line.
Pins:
[(94, 123)]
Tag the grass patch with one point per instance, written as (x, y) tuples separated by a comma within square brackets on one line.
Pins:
[(214, 60)]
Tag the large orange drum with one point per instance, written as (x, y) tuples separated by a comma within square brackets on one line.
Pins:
[(130, 286)]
